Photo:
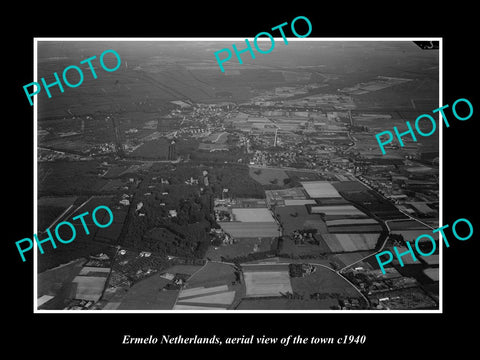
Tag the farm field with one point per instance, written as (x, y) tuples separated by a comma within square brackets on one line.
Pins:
[(371, 202), (320, 189), (62, 178), (212, 287), (407, 259), (242, 247), (350, 242), (240, 230), (46, 215), (115, 171), (82, 246), (408, 225), (109, 234), (266, 280), (411, 235), (148, 295), (432, 273), (55, 281), (150, 292), (252, 215), (340, 222), (212, 274), (112, 185), (215, 298), (297, 217), (298, 176), (323, 281), (338, 210), (57, 201), (347, 186), (88, 287), (431, 260), (154, 149)]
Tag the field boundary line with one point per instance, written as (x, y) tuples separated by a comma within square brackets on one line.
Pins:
[(59, 217), (178, 295), (344, 278)]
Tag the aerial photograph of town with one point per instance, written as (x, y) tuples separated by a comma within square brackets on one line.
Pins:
[(259, 188)]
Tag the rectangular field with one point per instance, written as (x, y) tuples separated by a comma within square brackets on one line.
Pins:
[(340, 222), (333, 210), (350, 242), (253, 215), (250, 229), (221, 298), (407, 225), (267, 283), (185, 293), (89, 287), (320, 189), (295, 202)]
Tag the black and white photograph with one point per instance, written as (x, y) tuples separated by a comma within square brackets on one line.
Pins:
[(259, 185), (193, 179)]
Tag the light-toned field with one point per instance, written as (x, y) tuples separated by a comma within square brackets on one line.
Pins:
[(89, 287), (208, 288), (223, 298), (252, 215), (432, 273), (216, 297), (200, 291), (350, 242), (250, 229), (267, 283), (299, 202), (320, 189), (44, 299), (337, 210)]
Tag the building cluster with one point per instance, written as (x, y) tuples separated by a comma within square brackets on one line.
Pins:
[(301, 270), (415, 193), (390, 290)]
